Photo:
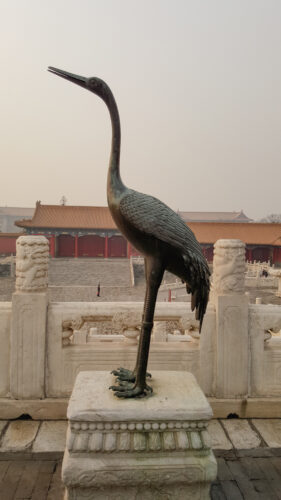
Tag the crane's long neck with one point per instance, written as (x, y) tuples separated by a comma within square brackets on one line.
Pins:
[(114, 182)]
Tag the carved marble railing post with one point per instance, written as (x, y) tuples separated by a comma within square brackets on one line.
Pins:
[(231, 303), (29, 313)]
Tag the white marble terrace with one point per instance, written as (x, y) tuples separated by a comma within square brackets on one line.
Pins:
[(44, 345)]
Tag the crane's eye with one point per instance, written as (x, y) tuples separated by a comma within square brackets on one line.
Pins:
[(92, 82), (95, 85)]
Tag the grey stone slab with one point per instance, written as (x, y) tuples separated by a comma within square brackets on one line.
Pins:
[(246, 488), (56, 489), (19, 435), (27, 480), (219, 440), (41, 487), (264, 489), (270, 430), (224, 473), (8, 485), (4, 465), (51, 437), (251, 468), (231, 490), (276, 462), (241, 434), (259, 452), (269, 472), (217, 492)]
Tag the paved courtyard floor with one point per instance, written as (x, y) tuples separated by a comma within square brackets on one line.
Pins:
[(238, 478), (248, 452), (31, 479)]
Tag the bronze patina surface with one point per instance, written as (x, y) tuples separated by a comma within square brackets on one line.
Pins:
[(158, 233)]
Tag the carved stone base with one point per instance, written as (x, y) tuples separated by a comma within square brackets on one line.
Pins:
[(152, 448)]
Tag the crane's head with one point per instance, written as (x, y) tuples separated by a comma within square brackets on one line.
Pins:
[(94, 84)]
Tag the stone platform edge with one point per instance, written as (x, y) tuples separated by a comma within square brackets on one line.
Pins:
[(31, 439), (56, 408)]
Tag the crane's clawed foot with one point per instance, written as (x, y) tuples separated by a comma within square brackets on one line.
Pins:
[(122, 385), (123, 374), (130, 390), (126, 375)]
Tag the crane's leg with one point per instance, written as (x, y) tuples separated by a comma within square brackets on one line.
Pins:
[(123, 374), (154, 275)]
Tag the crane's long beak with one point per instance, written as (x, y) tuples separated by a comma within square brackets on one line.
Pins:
[(79, 80)]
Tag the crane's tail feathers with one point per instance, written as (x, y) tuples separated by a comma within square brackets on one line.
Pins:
[(199, 286), (193, 300), (199, 301)]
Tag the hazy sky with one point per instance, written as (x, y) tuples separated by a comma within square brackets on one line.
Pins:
[(197, 83)]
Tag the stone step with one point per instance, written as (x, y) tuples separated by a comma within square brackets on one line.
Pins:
[(89, 272), (28, 439)]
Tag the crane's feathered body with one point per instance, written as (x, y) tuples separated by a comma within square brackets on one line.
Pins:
[(155, 229), (157, 232)]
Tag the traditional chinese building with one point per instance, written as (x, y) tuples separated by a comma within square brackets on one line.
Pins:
[(214, 216), (263, 240), (78, 231)]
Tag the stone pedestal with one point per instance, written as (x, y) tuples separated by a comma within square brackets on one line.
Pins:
[(152, 448)]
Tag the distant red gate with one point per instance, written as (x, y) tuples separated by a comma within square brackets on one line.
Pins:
[(261, 254), (208, 253), (91, 245), (65, 245), (117, 246)]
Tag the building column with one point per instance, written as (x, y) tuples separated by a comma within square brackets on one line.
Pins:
[(106, 247), (129, 249), (76, 246), (53, 246)]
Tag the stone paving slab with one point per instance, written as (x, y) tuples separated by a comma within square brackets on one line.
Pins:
[(23, 439), (31, 480), (19, 435), (241, 433), (270, 430), (51, 437), (250, 479), (219, 440), (243, 473)]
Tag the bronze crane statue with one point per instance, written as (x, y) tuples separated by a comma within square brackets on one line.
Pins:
[(158, 233)]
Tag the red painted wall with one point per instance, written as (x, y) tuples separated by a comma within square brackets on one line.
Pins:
[(277, 255), (7, 245)]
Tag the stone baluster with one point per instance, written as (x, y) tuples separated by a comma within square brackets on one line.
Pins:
[(231, 304), (29, 316)]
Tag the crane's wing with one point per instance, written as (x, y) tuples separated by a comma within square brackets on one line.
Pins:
[(151, 216)]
